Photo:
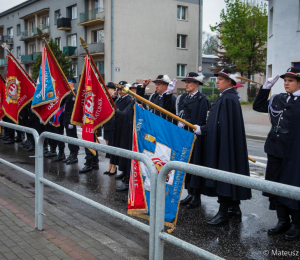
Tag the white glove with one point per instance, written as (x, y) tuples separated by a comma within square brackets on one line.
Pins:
[(198, 130), (181, 124), (41, 121), (270, 82), (172, 86), (70, 126)]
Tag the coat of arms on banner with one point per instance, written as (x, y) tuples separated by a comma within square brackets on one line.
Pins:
[(13, 90)]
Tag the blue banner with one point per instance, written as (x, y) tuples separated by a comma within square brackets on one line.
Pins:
[(163, 141), (45, 89)]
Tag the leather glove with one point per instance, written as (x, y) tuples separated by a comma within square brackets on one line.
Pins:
[(270, 82), (172, 86), (70, 126), (198, 130)]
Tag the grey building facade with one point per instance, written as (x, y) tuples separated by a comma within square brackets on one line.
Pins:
[(129, 40)]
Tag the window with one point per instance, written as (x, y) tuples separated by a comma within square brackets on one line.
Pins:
[(181, 12), (32, 48), (58, 41), (45, 20), (98, 36), (18, 52), (100, 66), (181, 70), (31, 25), (72, 40), (181, 41), (72, 12), (270, 71), (213, 79), (18, 29), (56, 16), (296, 64), (74, 69), (98, 4), (10, 32), (181, 91), (271, 22)]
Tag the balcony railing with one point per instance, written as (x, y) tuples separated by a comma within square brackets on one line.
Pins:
[(94, 48), (34, 55), (91, 15), (32, 33), (30, 57), (7, 39), (70, 50), (64, 24), (3, 62)]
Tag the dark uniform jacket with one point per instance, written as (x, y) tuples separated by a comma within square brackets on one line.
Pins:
[(283, 139), (69, 100), (226, 144), (167, 102)]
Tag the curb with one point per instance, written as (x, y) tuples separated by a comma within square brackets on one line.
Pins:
[(256, 137)]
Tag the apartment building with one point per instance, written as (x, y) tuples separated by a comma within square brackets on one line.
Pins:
[(129, 40), (284, 35)]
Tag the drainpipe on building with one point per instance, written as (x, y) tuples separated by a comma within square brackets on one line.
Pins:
[(200, 37), (112, 40)]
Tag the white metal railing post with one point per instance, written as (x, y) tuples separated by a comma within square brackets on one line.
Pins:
[(39, 186)]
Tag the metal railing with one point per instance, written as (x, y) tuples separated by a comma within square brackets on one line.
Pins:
[(279, 189), (91, 15), (40, 180), (33, 32)]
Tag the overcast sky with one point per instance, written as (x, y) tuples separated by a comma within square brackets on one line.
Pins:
[(211, 10)]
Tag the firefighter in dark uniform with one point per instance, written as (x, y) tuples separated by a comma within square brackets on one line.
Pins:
[(193, 107), (281, 147), (163, 96)]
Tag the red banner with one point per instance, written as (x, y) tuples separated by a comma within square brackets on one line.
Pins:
[(2, 93), (46, 111), (92, 106), (18, 91)]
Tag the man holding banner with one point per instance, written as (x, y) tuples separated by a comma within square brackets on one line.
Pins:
[(226, 148)]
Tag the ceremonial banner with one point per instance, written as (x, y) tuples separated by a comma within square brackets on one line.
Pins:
[(50, 90), (162, 141), (57, 115), (18, 91), (2, 93), (92, 106)]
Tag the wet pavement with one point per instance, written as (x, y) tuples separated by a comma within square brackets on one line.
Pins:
[(245, 240)]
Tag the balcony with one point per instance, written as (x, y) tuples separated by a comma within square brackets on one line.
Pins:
[(64, 24), (70, 51), (95, 49), (30, 58), (92, 17), (33, 33), (3, 62), (7, 39)]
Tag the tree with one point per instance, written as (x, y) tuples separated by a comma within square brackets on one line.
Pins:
[(62, 59), (210, 44), (243, 34)]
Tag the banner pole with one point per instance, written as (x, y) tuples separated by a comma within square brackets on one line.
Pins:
[(127, 91), (4, 46), (4, 81), (56, 62), (95, 67)]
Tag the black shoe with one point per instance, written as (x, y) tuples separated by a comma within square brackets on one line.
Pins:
[(194, 203), (72, 159), (120, 176), (59, 157), (24, 143), (293, 233), (50, 154), (112, 173), (186, 200), (235, 212), (1, 136), (18, 139), (95, 166), (30, 148), (283, 220), (45, 150), (221, 218), (5, 137), (87, 168), (124, 187), (9, 141), (67, 158), (106, 172)]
